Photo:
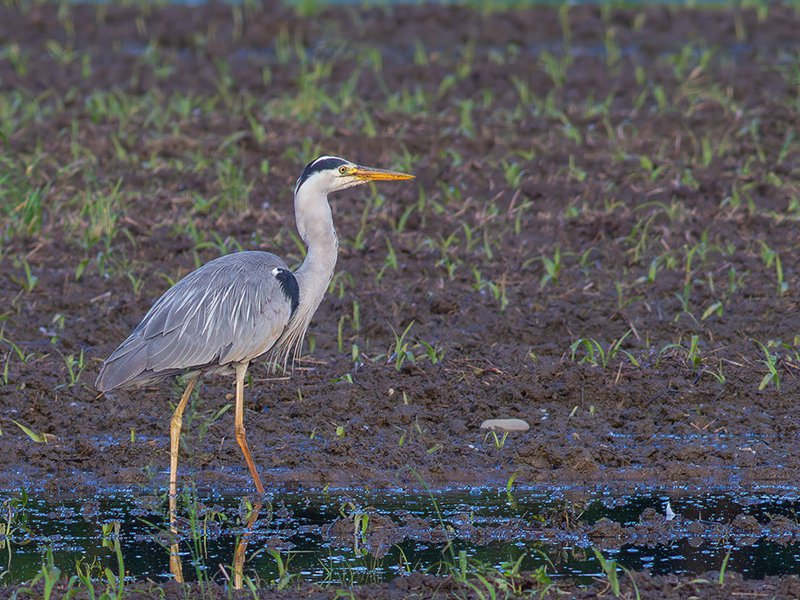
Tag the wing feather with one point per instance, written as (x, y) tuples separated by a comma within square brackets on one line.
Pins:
[(230, 310)]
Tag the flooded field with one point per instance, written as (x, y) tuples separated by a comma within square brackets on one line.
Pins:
[(350, 537), (602, 240)]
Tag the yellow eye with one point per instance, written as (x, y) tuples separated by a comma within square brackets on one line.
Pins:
[(343, 170)]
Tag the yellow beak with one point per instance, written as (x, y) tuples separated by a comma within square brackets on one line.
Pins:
[(370, 174)]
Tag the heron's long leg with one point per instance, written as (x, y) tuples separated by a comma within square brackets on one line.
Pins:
[(241, 547), (174, 442), (241, 370), (175, 566)]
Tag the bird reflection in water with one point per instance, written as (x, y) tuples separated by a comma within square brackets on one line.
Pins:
[(240, 549)]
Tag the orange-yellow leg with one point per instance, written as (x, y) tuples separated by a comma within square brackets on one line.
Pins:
[(175, 440), (174, 443), (241, 371), (241, 547)]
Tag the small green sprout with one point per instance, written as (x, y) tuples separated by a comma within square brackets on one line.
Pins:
[(39, 438), (610, 569)]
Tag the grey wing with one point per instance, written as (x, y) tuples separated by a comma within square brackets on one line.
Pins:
[(230, 310)]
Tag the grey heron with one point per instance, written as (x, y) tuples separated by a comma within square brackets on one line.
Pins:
[(239, 307)]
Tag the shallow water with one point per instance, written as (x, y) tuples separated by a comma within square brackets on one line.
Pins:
[(323, 538)]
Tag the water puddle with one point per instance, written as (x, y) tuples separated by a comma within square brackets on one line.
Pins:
[(348, 536)]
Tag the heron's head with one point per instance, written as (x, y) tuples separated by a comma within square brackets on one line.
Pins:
[(330, 174)]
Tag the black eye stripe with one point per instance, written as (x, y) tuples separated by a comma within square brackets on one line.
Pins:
[(321, 164)]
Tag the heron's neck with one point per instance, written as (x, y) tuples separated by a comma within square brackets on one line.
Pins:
[(315, 225)]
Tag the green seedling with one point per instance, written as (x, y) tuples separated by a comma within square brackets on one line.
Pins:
[(684, 297), (649, 167), (692, 354), (613, 52), (556, 67), (213, 417), (552, 268), (16, 350), (499, 440), (770, 361), (400, 352), (29, 281), (18, 59), (466, 122), (610, 569), (496, 289), (137, 283), (433, 353), (390, 262), (284, 576), (755, 137), (505, 580), (723, 568), (101, 211), (623, 300), (770, 257), (340, 333), (16, 191), (717, 374), (707, 151), (49, 574), (788, 140), (399, 225), (512, 173), (740, 196), (115, 582), (575, 172), (510, 483), (523, 89), (75, 366), (563, 19), (15, 530), (39, 438), (715, 308), (235, 189), (92, 574), (436, 448), (519, 212), (660, 97), (571, 132), (360, 518), (81, 268), (639, 238), (590, 351), (420, 54), (340, 284)]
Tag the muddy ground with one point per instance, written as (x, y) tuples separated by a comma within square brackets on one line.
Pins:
[(427, 586), (584, 176)]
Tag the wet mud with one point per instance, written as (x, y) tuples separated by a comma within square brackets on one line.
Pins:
[(602, 240)]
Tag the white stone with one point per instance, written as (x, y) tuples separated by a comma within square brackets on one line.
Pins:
[(506, 425)]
